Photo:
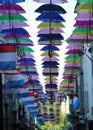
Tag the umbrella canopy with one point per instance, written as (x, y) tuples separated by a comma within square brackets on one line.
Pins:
[(49, 48), (10, 25), (87, 1), (11, 8), (47, 58), (74, 46), (11, 1), (46, 37), (12, 18), (54, 42), (15, 33), (47, 31), (53, 1), (84, 16), (72, 67), (53, 25), (47, 8), (24, 50), (74, 51), (50, 54), (84, 7), (45, 17), (84, 24)]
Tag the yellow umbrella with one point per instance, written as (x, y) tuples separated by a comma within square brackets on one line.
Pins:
[(52, 78), (85, 7), (53, 25), (47, 54)]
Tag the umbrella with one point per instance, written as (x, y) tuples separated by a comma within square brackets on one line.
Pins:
[(47, 31), (11, 8), (87, 1), (54, 42), (84, 7), (11, 1), (46, 37), (51, 47), (24, 50), (74, 51), (53, 1), (50, 54), (15, 33), (53, 25), (46, 17), (84, 23), (85, 16), (47, 58), (72, 67), (47, 8), (14, 24), (12, 18), (74, 46)]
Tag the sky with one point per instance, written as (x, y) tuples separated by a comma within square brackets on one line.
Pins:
[(30, 6)]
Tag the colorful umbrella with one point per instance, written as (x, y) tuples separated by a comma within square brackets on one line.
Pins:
[(46, 8), (11, 1), (11, 8), (51, 1)]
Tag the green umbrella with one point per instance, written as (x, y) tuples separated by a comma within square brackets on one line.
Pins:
[(12, 18), (24, 50)]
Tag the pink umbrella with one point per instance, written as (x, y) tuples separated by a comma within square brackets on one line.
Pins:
[(84, 24), (67, 86), (72, 67), (69, 76)]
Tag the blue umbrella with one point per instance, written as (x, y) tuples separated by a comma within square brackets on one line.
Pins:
[(50, 63), (50, 74), (48, 66), (11, 1), (51, 36), (47, 17), (26, 60), (15, 31), (50, 47), (47, 8)]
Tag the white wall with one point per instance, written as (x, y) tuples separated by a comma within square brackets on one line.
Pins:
[(88, 81)]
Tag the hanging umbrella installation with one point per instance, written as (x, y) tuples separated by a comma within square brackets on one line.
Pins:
[(50, 36)]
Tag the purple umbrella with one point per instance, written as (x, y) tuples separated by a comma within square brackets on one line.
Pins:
[(47, 31), (53, 1), (11, 8), (8, 25), (84, 16)]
